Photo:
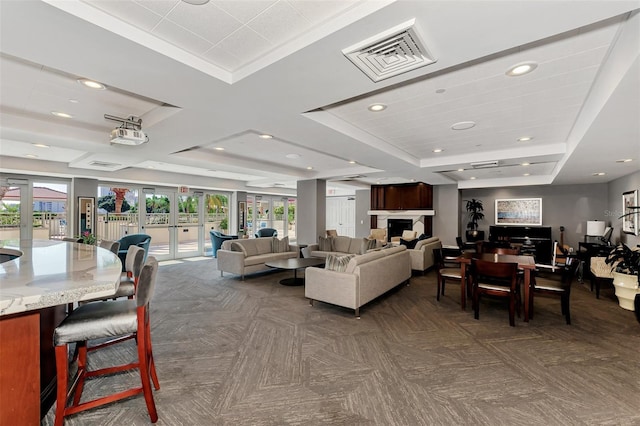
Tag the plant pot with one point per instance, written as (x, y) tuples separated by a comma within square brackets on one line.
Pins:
[(626, 287), (475, 235)]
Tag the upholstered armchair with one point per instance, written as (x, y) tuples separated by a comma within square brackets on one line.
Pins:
[(406, 235), (217, 238), (379, 234), (266, 232), (141, 240)]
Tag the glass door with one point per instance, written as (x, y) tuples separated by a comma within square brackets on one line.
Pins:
[(157, 222), (187, 226), (174, 223)]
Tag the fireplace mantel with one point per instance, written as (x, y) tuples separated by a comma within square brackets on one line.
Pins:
[(401, 213)]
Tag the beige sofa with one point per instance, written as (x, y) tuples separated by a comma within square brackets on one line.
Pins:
[(422, 253), (341, 245), (258, 251), (366, 277)]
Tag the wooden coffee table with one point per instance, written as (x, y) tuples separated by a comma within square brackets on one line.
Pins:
[(295, 264)]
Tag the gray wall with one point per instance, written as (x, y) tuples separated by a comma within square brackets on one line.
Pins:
[(562, 205), (614, 207), (363, 204), (446, 202), (312, 210)]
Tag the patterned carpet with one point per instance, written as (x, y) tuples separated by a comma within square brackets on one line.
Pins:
[(253, 352)]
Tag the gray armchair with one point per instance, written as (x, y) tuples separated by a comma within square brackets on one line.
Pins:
[(266, 232), (217, 238)]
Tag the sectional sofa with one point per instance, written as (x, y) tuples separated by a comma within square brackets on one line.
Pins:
[(340, 245), (366, 277), (245, 256)]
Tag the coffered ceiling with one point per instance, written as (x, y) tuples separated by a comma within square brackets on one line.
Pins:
[(210, 81)]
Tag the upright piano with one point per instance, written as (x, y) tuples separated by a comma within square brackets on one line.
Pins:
[(535, 240)]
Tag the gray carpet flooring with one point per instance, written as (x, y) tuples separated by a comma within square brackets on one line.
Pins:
[(253, 352)]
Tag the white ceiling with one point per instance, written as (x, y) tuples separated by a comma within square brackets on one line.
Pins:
[(221, 74)]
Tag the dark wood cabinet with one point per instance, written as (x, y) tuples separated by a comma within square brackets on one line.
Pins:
[(409, 196)]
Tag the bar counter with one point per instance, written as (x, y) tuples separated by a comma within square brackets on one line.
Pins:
[(34, 291)]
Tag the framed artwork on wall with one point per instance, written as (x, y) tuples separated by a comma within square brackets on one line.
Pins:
[(242, 221), (519, 211), (86, 208), (630, 215)]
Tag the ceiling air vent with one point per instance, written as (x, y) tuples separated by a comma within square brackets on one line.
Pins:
[(104, 164), (390, 53), (485, 164)]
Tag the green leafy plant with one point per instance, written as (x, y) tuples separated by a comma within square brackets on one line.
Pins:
[(88, 238), (224, 224), (624, 260), (475, 209)]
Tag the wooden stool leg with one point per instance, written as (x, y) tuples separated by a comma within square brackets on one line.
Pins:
[(82, 369), (144, 371), (62, 372)]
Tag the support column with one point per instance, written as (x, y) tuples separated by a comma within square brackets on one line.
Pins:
[(312, 210)]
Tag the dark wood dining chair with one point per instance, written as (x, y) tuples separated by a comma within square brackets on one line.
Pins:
[(555, 281), (447, 269), (498, 279)]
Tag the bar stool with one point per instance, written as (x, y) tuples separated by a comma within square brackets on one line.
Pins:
[(133, 263), (120, 319)]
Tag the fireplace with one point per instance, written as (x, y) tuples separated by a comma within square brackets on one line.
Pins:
[(396, 226)]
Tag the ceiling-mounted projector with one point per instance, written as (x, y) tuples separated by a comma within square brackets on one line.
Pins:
[(129, 133), (128, 137)]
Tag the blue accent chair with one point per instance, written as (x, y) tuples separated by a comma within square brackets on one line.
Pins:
[(140, 240), (266, 232), (217, 238)]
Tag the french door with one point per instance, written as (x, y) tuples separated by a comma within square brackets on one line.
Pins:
[(174, 222)]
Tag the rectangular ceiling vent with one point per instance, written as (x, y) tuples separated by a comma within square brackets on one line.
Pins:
[(485, 164), (390, 53), (104, 164)]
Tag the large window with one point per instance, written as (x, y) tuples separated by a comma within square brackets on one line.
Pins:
[(118, 208), (216, 216)]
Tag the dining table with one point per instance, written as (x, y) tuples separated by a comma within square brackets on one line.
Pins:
[(525, 263)]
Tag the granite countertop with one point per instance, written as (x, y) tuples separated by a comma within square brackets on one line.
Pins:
[(51, 273)]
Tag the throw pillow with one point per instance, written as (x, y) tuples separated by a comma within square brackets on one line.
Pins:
[(367, 245), (238, 247), (423, 237), (280, 246), (325, 243), (337, 263), (410, 244)]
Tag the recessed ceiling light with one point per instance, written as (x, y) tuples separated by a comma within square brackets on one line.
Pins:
[(521, 69), (74, 101), (352, 162), (40, 145), (625, 160), (441, 90), (378, 183), (525, 139), (438, 150), (526, 174), (265, 136), (377, 107), (413, 180), (525, 164), (309, 168), (196, 2), (472, 177), (292, 156), (61, 114), (150, 167), (599, 174), (91, 84), (463, 125), (31, 156), (219, 148), (461, 170)]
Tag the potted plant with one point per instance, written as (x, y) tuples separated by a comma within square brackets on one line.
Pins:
[(475, 209), (625, 264)]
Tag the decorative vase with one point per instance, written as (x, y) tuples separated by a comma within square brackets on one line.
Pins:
[(626, 287)]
